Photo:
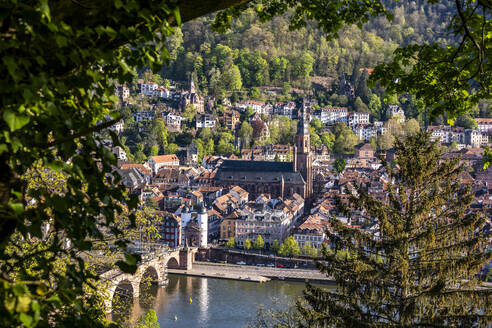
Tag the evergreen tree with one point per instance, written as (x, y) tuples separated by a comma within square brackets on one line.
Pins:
[(420, 270), (361, 88), (339, 165)]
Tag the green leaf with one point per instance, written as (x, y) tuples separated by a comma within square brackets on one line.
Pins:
[(56, 165), (177, 15), (130, 263), (19, 289), (18, 208), (54, 299), (23, 303), (26, 319), (11, 66), (9, 303), (45, 9), (14, 120), (42, 289)]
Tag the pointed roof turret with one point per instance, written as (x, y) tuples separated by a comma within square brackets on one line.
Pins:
[(192, 85)]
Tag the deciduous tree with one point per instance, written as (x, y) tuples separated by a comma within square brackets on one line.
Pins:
[(172, 148), (231, 243), (259, 243), (275, 246), (309, 250), (245, 133)]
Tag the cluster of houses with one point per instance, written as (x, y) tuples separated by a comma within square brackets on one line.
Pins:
[(195, 211), (463, 137), (375, 180), (272, 190), (198, 209), (360, 122)]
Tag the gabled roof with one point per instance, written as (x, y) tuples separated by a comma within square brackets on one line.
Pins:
[(259, 171), (140, 167), (165, 158), (240, 191), (367, 147)]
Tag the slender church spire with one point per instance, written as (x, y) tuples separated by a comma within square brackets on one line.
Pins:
[(192, 85), (303, 157)]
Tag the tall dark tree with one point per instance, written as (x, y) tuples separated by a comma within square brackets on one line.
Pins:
[(361, 89), (420, 269)]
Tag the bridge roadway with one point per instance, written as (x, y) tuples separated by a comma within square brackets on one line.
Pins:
[(252, 273)]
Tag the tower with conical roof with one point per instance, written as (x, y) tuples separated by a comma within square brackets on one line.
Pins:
[(302, 153), (203, 224)]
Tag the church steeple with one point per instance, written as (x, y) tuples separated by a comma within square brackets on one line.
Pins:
[(192, 85), (303, 136), (302, 153)]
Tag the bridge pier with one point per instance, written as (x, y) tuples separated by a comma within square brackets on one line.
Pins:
[(136, 287), (186, 259)]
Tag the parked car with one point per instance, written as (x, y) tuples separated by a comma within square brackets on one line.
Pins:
[(260, 265), (280, 265), (241, 263), (270, 265)]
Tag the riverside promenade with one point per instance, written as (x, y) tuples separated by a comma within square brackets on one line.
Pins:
[(252, 273)]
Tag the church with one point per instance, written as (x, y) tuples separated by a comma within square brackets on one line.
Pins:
[(192, 98), (279, 179)]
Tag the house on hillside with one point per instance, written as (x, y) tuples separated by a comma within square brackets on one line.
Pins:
[(156, 162)]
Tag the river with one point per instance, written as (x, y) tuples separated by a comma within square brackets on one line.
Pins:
[(216, 303)]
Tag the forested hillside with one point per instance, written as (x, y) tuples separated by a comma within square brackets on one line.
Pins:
[(254, 54)]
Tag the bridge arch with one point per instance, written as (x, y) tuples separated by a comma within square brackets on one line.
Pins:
[(150, 273), (173, 263), (124, 287), (154, 270)]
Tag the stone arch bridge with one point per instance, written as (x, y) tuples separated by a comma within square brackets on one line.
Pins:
[(152, 268)]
